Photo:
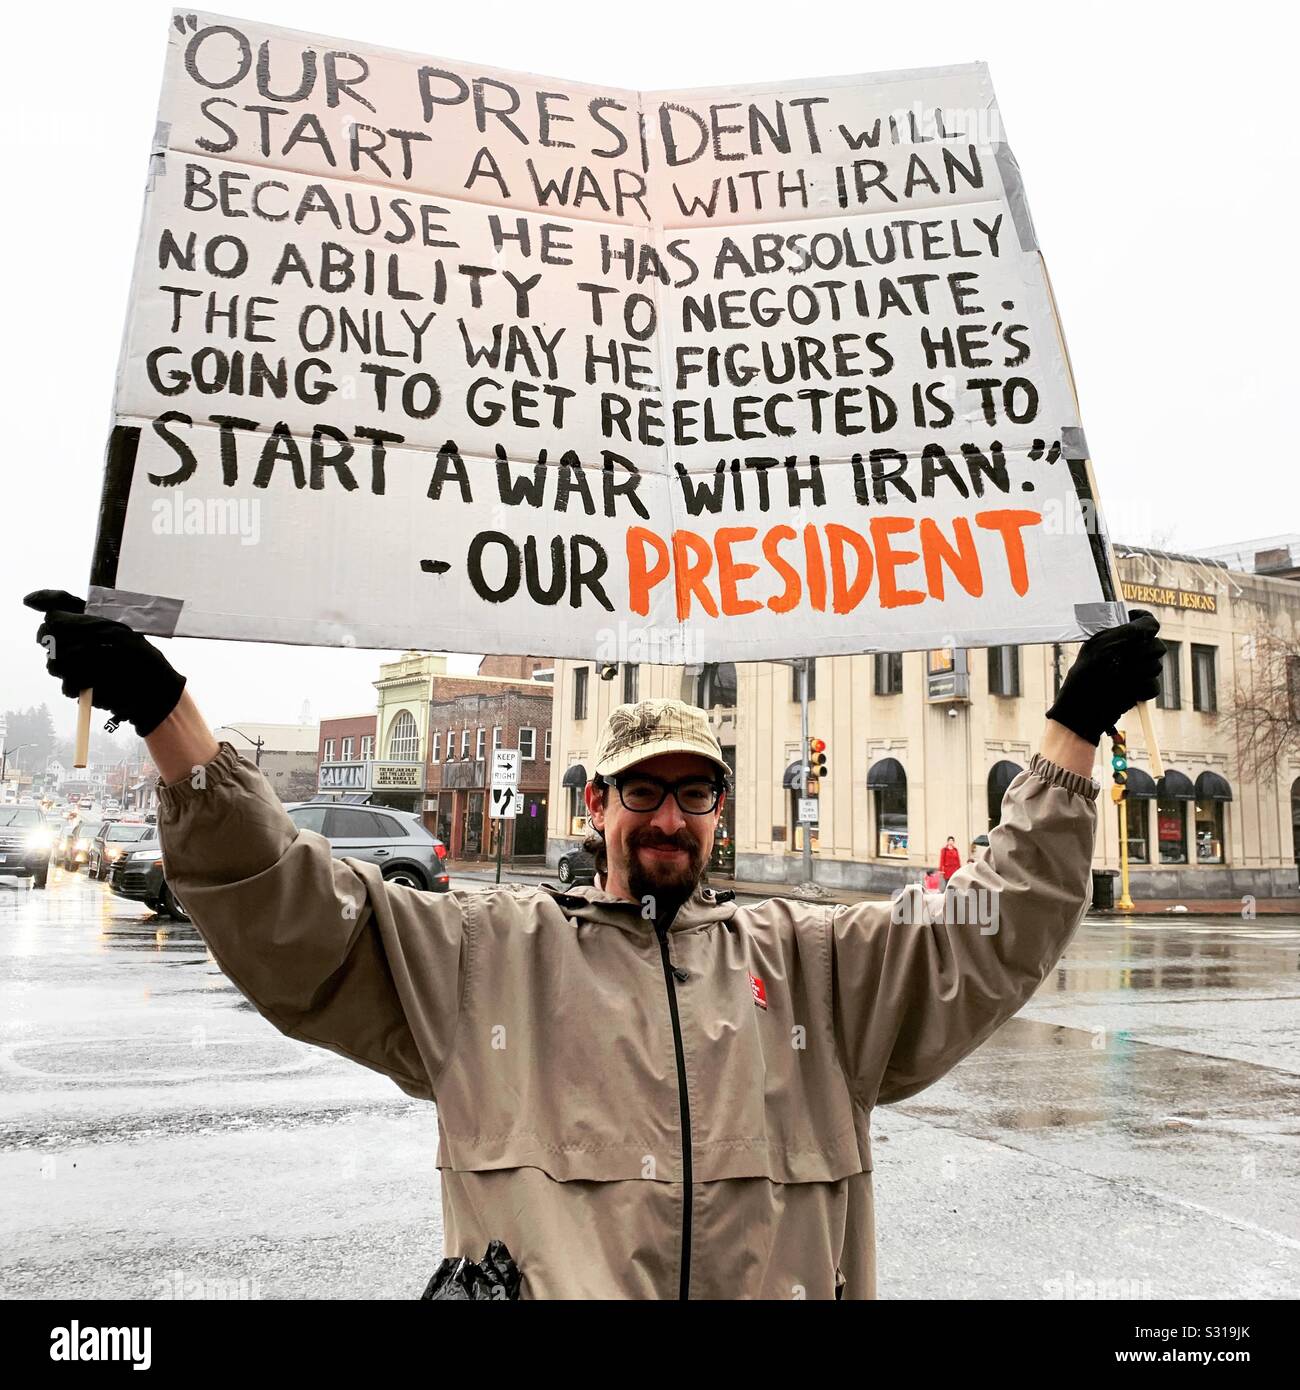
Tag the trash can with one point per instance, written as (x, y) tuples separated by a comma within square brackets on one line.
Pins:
[(1103, 889)]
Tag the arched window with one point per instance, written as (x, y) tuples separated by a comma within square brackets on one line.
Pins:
[(887, 783), (404, 738), (715, 685), (1001, 776), (1212, 794)]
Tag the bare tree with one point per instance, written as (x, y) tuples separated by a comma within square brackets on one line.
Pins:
[(1264, 718)]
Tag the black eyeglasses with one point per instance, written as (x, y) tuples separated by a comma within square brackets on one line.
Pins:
[(640, 792)]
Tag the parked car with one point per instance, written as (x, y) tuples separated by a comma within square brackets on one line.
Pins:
[(576, 866), (26, 843), (138, 875), (111, 843), (397, 841)]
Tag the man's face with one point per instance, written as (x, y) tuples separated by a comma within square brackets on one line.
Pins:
[(658, 853)]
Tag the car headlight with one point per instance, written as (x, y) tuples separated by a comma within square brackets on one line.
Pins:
[(140, 855), (40, 839)]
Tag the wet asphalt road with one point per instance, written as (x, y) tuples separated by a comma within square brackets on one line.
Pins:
[(1134, 1132)]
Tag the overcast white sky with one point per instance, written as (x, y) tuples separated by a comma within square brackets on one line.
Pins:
[(1158, 150)]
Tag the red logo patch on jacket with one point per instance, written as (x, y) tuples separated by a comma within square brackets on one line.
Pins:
[(759, 991)]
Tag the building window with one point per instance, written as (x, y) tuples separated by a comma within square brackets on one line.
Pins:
[(887, 782), (1001, 775), (889, 673), (527, 745), (1170, 695), (891, 822), (546, 746), (496, 737), (329, 751), (1004, 671), (347, 750), (580, 692), (1138, 819), (1061, 663), (796, 674), (404, 738), (480, 744), (577, 810), (715, 685), (451, 744), (631, 682), (1171, 823), (464, 743), (1204, 687), (368, 747), (1209, 832), (436, 755)]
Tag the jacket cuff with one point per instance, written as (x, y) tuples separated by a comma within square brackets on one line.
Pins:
[(1057, 776), (221, 768)]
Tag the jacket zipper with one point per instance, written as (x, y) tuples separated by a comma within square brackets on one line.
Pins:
[(671, 975)]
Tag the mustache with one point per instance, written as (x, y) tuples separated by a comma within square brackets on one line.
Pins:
[(655, 839)]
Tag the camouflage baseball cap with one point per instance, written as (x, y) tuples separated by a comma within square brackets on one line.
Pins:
[(636, 732)]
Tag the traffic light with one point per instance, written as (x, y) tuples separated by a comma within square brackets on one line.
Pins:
[(817, 758), (1119, 764)]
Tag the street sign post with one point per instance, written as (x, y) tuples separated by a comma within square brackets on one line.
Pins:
[(504, 798)]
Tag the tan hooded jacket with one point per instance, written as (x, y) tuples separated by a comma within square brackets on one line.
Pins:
[(638, 1117)]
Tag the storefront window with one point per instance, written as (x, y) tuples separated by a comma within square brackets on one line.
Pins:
[(891, 822), (1209, 832), (1171, 823), (472, 841), (443, 822), (1139, 821)]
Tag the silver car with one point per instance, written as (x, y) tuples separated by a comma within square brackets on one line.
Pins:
[(395, 840)]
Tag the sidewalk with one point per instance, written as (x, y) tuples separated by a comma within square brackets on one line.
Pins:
[(1142, 907), (1207, 907)]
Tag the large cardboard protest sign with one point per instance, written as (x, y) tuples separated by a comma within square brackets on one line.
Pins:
[(423, 354)]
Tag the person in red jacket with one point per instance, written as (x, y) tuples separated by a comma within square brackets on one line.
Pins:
[(949, 859)]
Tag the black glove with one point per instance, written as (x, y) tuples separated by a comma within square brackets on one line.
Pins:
[(1115, 670), (129, 675)]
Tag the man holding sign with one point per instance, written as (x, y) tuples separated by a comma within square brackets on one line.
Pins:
[(644, 1089)]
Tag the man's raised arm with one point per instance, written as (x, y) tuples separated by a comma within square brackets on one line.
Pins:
[(921, 981), (323, 947)]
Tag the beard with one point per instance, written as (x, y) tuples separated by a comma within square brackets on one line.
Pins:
[(668, 884)]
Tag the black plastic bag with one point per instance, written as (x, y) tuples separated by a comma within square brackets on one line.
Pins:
[(495, 1278)]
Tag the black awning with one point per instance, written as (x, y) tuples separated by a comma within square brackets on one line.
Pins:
[(1211, 787), (792, 776), (1174, 786), (1141, 786), (576, 776), (1001, 776), (888, 772)]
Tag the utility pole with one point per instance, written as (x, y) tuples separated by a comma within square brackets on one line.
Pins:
[(257, 742)]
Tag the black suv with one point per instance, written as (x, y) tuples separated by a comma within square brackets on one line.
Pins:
[(138, 875), (26, 842)]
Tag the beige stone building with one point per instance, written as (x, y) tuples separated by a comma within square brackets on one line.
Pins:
[(921, 746)]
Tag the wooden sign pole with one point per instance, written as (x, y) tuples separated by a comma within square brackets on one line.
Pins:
[(81, 754)]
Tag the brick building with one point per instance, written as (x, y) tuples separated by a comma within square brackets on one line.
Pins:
[(345, 750), (467, 726)]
